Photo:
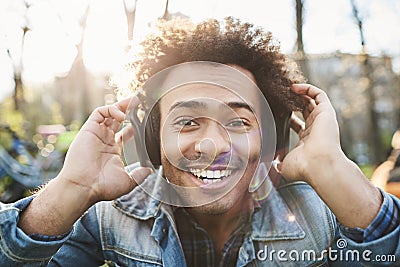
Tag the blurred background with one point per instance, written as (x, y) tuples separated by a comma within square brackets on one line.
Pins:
[(57, 57)]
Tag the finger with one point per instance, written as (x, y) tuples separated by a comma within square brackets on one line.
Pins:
[(100, 114), (124, 135), (140, 174), (306, 132), (309, 90), (112, 124), (115, 111), (311, 105), (296, 124), (124, 104), (306, 113), (103, 133)]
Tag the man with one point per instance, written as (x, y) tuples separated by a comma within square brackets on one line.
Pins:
[(211, 138)]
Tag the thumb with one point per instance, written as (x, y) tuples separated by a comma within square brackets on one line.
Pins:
[(140, 174)]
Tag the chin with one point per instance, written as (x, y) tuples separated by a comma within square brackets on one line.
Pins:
[(217, 207), (223, 195)]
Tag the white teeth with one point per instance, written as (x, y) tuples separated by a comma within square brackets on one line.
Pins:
[(196, 172), (210, 181), (209, 176)]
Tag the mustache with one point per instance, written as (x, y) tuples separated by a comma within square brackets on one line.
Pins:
[(207, 160)]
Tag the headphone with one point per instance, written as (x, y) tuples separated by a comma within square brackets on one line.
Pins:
[(145, 116)]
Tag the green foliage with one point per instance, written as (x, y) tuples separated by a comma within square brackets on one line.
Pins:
[(64, 140), (4, 183), (56, 115), (367, 170), (386, 139), (13, 118)]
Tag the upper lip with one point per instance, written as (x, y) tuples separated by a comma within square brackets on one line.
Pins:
[(209, 167)]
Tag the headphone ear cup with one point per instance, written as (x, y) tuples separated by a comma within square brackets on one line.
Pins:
[(283, 133), (152, 140), (282, 126), (146, 139)]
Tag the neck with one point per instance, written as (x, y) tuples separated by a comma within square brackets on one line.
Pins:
[(220, 226)]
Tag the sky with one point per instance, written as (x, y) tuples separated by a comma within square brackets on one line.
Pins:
[(50, 46)]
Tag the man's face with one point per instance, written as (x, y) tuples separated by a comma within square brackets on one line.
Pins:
[(210, 140)]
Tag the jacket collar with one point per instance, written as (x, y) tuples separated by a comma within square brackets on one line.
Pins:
[(273, 220), (140, 204)]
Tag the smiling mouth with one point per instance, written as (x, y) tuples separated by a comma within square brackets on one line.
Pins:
[(209, 176)]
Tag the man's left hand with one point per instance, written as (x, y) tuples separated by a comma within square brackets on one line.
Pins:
[(319, 141)]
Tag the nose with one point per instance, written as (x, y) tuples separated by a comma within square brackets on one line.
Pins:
[(214, 140)]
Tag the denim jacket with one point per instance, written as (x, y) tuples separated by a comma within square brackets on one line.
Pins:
[(291, 228)]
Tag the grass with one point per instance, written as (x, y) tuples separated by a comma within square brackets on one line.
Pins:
[(368, 170)]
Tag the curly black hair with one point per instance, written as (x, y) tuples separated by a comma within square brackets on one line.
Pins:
[(229, 42)]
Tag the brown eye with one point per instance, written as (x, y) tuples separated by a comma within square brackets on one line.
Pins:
[(186, 122), (237, 123)]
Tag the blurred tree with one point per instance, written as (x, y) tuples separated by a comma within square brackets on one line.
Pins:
[(12, 118), (376, 147), (130, 11), (18, 85), (72, 89), (166, 15), (301, 55)]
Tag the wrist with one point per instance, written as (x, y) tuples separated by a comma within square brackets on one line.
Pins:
[(55, 208), (327, 165), (75, 191), (338, 181)]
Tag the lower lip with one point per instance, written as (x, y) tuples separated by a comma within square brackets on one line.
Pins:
[(211, 186)]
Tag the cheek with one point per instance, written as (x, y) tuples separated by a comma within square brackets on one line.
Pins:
[(175, 145), (247, 144), (255, 143)]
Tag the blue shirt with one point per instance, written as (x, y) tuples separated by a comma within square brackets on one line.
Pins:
[(138, 230)]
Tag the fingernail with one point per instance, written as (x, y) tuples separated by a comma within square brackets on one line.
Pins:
[(277, 165)]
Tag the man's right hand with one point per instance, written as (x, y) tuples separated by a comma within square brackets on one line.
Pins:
[(93, 171), (93, 161)]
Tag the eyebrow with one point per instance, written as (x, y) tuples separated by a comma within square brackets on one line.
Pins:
[(203, 106), (236, 105), (189, 104)]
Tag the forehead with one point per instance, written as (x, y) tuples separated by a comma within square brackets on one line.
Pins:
[(222, 83), (208, 94)]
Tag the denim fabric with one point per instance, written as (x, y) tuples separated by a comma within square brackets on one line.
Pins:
[(139, 230)]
